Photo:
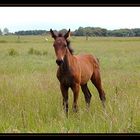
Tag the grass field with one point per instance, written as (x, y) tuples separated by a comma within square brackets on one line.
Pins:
[(30, 98)]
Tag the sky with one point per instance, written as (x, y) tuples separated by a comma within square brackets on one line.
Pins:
[(57, 18)]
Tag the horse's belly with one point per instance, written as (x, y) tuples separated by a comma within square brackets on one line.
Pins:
[(85, 78), (86, 74)]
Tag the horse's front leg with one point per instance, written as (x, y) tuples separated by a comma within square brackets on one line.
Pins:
[(75, 88), (64, 91)]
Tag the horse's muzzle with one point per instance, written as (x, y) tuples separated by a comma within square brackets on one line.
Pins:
[(59, 62)]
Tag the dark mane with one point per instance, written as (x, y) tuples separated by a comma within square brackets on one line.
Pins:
[(69, 46)]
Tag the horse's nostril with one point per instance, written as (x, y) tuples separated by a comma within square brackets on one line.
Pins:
[(59, 62)]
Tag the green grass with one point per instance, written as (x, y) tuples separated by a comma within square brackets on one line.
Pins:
[(30, 98)]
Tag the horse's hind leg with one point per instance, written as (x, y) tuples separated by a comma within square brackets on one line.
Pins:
[(96, 80), (87, 94)]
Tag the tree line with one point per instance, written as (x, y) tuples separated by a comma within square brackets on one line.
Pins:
[(97, 31), (31, 32), (82, 31)]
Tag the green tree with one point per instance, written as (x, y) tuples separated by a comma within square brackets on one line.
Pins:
[(5, 31), (80, 32), (136, 31), (63, 31)]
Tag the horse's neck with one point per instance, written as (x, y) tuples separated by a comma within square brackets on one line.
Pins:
[(68, 60)]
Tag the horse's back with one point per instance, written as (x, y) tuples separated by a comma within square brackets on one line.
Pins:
[(88, 60)]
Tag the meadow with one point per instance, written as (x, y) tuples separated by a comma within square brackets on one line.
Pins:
[(30, 97)]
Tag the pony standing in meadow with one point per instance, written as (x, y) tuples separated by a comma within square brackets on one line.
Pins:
[(75, 71)]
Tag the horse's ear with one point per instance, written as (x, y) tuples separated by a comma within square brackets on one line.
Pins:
[(67, 34), (53, 34)]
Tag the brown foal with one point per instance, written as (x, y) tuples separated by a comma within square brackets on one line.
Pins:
[(75, 71)]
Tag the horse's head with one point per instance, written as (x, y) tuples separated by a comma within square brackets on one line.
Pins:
[(60, 44)]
